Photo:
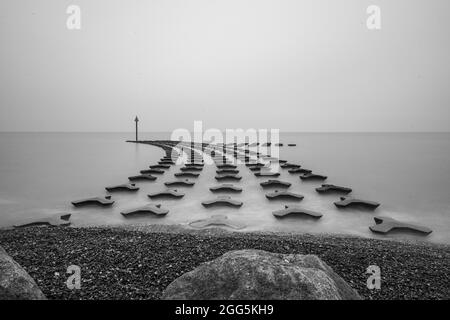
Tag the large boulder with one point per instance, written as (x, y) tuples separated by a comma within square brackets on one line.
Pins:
[(15, 282), (256, 274)]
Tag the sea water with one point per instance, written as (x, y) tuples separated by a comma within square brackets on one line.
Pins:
[(408, 173)]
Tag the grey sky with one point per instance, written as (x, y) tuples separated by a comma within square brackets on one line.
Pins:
[(288, 64)]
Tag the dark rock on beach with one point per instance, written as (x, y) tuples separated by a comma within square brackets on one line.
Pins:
[(140, 262), (15, 282), (257, 274)]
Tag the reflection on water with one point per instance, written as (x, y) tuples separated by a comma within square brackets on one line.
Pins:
[(408, 173)]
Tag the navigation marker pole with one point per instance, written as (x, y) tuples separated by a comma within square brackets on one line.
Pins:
[(136, 120)]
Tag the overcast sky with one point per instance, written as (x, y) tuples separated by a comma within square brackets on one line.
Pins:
[(296, 65)]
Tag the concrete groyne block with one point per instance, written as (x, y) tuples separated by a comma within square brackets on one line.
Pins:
[(101, 201), (222, 201), (187, 174), (181, 183), (147, 209), (169, 193), (386, 225), (53, 220), (226, 166), (288, 165), (299, 170), (294, 210), (228, 177), (275, 183), (226, 187), (225, 171), (160, 166), (123, 187), (152, 171), (312, 176), (191, 168), (167, 162), (267, 174), (352, 202), (326, 188), (142, 177), (277, 194)]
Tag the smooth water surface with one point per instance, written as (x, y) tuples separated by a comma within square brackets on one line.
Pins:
[(409, 174)]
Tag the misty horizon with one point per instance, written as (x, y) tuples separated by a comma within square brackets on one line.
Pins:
[(298, 66)]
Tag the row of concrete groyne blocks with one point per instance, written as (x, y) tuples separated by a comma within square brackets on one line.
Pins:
[(227, 170)]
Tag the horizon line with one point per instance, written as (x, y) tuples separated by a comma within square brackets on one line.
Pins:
[(142, 132)]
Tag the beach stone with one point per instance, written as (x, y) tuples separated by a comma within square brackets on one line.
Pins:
[(15, 282), (257, 274)]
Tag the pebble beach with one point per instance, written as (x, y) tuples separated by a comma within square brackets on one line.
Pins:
[(138, 262)]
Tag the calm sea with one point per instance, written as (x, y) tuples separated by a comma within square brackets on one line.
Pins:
[(40, 173)]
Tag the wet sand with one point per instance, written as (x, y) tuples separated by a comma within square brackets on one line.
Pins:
[(138, 262)]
